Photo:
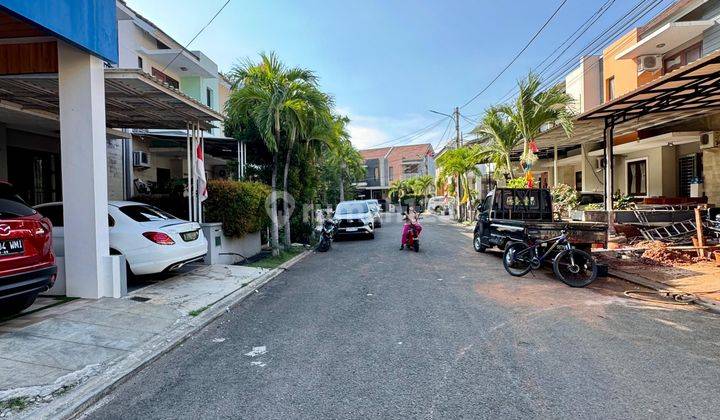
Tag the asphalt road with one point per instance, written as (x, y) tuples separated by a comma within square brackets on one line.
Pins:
[(367, 331)]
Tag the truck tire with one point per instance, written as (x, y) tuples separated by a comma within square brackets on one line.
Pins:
[(477, 242)]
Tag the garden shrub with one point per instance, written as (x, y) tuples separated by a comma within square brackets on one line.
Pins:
[(520, 182), (565, 198), (238, 205)]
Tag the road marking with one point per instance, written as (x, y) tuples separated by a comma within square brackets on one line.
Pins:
[(257, 351), (218, 340), (258, 363)]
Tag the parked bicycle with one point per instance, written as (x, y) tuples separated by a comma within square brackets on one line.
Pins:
[(573, 266)]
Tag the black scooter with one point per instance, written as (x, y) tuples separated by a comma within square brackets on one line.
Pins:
[(326, 231)]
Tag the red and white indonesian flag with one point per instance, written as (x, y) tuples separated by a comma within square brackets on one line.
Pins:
[(200, 173)]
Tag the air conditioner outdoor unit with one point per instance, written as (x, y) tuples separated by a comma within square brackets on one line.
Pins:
[(649, 63), (141, 159), (710, 139)]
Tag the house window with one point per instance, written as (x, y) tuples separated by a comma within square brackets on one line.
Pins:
[(390, 175), (637, 177), (684, 57), (140, 62), (209, 97), (376, 173), (610, 88), (165, 78)]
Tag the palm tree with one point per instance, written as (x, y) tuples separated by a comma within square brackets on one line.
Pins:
[(421, 186), (459, 163), (279, 100), (536, 108), (269, 93), (345, 157), (503, 137), (399, 189)]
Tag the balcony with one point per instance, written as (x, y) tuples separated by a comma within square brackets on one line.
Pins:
[(666, 38)]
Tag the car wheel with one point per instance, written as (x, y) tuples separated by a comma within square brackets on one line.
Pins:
[(477, 242), (372, 235), (17, 304)]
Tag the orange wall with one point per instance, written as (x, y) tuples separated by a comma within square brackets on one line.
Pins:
[(624, 71)]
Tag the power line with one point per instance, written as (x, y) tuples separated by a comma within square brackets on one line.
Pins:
[(447, 127), (410, 136), (586, 25), (197, 34), (527, 45), (604, 37)]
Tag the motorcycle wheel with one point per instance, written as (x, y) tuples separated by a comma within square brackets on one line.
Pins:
[(324, 245), (575, 268), (517, 266), (416, 245)]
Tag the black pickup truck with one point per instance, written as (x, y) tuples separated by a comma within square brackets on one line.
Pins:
[(517, 214)]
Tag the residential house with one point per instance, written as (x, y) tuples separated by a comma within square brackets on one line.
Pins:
[(664, 157), (63, 99), (387, 164), (157, 158)]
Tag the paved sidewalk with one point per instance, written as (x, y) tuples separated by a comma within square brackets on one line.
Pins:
[(45, 353)]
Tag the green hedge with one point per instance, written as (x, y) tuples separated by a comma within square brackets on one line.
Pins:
[(238, 205)]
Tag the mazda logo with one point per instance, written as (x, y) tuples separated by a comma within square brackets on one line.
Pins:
[(4, 230)]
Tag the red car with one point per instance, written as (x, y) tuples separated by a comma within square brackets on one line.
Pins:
[(27, 262)]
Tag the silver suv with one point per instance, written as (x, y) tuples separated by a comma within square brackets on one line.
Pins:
[(353, 218)]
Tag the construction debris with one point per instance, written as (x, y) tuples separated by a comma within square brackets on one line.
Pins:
[(659, 253)]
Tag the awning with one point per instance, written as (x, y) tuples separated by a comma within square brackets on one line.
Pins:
[(133, 99), (666, 38), (691, 91), (171, 142)]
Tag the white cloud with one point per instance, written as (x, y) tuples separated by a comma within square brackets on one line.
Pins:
[(368, 131)]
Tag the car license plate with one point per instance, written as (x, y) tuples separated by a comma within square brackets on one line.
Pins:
[(190, 236), (351, 229), (13, 246)]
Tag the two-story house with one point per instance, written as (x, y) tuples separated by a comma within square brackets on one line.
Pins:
[(664, 159), (387, 164)]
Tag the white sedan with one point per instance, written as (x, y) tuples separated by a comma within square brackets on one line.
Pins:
[(150, 239)]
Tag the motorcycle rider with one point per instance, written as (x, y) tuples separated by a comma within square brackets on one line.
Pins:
[(410, 218)]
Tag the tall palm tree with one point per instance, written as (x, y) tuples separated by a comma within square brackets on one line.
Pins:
[(536, 108), (503, 137), (279, 100), (305, 107), (267, 92), (346, 158)]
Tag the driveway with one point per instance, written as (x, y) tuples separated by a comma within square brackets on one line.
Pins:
[(368, 331)]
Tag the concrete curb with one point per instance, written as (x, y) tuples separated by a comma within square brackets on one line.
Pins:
[(83, 397), (711, 305)]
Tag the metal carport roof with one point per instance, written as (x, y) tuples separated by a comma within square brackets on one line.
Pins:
[(133, 99)]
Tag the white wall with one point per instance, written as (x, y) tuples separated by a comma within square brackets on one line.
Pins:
[(584, 84)]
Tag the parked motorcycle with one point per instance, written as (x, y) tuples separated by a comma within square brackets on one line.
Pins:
[(326, 233)]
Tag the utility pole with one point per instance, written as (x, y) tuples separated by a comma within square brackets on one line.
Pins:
[(458, 144)]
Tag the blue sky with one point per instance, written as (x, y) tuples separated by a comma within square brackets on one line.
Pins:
[(387, 62)]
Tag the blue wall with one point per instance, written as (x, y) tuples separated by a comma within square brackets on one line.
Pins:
[(89, 24)]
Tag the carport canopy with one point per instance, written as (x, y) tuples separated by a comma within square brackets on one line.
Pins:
[(690, 91), (133, 99)]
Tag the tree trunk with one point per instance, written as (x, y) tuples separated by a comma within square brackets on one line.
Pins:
[(509, 164), (275, 230), (342, 187), (286, 205)]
